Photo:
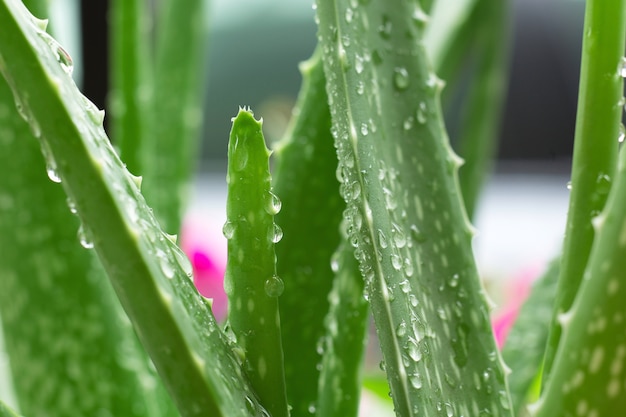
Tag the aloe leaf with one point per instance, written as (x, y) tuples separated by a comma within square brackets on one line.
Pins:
[(344, 343), (5, 411), (448, 18), (168, 158), (587, 375), (405, 215), (598, 119), (149, 273), (310, 224), (251, 282), (483, 106), (131, 81), (62, 334), (526, 341)]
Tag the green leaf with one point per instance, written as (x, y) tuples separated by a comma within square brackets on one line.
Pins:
[(526, 341), (168, 157), (251, 282), (588, 372), (483, 106), (64, 329), (310, 223), (345, 340), (405, 216), (5, 411), (131, 79), (595, 148), (149, 273)]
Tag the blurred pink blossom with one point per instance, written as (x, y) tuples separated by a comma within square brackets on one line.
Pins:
[(206, 251), (516, 294)]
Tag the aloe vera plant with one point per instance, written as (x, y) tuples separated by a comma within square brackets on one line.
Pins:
[(364, 212)]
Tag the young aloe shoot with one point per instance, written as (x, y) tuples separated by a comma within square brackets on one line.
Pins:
[(251, 282)]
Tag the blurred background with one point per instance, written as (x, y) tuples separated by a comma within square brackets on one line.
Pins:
[(254, 48)]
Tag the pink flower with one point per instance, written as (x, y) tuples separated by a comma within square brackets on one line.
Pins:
[(206, 250), (516, 295)]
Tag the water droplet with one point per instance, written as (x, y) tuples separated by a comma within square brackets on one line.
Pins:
[(569, 185), (421, 113), (382, 240), (401, 329), (349, 15), (413, 300), (164, 264), (622, 133), (414, 352), (71, 204), (272, 204), (405, 286), (408, 267), (274, 286), (398, 236), (51, 165), (383, 366), (385, 28), (603, 184), (622, 68), (400, 78), (84, 237), (416, 381), (449, 410), (276, 233), (442, 313), (408, 123), (311, 409), (454, 281), (360, 86), (390, 201), (364, 129), (183, 261), (396, 262), (229, 230), (334, 262)]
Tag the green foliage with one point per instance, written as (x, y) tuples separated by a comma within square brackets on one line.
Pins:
[(374, 218)]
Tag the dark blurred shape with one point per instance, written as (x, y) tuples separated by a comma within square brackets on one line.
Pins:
[(95, 50)]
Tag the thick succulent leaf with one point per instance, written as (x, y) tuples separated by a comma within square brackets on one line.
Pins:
[(5, 411), (405, 216), (525, 344), (168, 156), (598, 118), (149, 273), (251, 282), (344, 343), (310, 223), (131, 79), (588, 372), (63, 326)]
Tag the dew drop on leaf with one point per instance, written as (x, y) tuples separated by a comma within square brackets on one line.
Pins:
[(400, 78), (164, 264), (229, 230), (84, 237), (274, 286), (276, 233), (273, 204)]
